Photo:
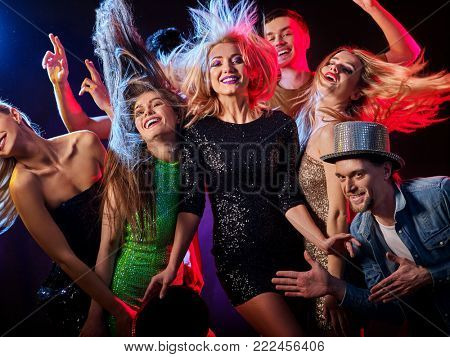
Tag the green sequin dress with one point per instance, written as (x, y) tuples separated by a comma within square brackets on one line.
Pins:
[(141, 258)]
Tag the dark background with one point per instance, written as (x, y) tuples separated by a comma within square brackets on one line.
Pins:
[(25, 84)]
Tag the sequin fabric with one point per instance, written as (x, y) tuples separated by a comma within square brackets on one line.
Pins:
[(140, 259), (313, 183), (63, 303), (250, 174)]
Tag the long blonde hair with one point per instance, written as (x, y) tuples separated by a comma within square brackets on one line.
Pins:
[(8, 213), (218, 23), (391, 94)]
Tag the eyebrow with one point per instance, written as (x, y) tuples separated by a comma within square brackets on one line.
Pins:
[(141, 105), (234, 54), (283, 29), (347, 63)]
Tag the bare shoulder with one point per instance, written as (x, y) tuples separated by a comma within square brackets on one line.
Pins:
[(81, 138), (83, 142), (326, 138), (327, 131), (87, 138), (22, 181)]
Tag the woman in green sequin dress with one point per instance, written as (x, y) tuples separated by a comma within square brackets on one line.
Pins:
[(140, 200)]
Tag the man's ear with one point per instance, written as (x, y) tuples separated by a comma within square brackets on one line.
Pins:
[(387, 170), (16, 116)]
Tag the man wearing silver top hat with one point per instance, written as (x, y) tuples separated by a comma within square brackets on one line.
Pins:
[(404, 231)]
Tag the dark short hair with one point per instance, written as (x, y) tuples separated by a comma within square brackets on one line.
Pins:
[(378, 160), (163, 41), (281, 12), (181, 313)]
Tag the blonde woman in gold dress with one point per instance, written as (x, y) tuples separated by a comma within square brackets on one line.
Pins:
[(352, 84)]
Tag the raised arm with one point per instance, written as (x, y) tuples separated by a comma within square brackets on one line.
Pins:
[(403, 48), (31, 207), (72, 114)]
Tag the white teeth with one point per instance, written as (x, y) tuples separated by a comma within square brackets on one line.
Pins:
[(229, 80), (330, 77), (150, 122), (282, 52)]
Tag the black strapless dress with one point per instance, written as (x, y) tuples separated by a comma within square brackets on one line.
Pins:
[(250, 173), (61, 301)]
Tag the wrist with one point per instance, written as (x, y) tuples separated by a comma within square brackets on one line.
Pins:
[(427, 279), (373, 8), (336, 287), (61, 84)]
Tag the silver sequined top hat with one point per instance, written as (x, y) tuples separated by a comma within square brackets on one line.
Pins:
[(359, 139)]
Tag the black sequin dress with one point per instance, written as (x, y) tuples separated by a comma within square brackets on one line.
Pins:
[(62, 302), (250, 174)]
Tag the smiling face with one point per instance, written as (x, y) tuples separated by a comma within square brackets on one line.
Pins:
[(340, 75), (227, 70), (363, 182), (288, 38), (9, 130), (154, 118)]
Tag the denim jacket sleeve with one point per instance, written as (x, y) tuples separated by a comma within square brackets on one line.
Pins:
[(440, 273), (357, 299)]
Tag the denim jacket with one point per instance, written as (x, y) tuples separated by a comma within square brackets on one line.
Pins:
[(422, 216)]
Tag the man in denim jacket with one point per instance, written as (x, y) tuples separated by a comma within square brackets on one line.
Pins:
[(404, 231)]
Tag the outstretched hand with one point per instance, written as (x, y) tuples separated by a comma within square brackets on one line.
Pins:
[(408, 278), (95, 87), (309, 284), (56, 62)]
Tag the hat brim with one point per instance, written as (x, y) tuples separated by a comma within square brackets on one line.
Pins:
[(397, 161)]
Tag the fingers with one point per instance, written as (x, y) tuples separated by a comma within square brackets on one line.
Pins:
[(60, 47), (287, 274), (87, 86), (382, 284), (284, 281), (48, 59), (294, 294), (387, 295), (350, 249), (287, 287), (53, 41), (92, 71), (152, 287), (356, 242), (163, 291), (393, 258)]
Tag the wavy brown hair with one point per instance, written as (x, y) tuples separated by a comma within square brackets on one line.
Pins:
[(129, 70)]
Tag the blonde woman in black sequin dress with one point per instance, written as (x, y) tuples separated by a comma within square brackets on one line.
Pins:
[(246, 157)]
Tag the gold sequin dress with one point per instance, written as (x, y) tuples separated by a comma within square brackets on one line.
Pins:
[(313, 182)]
